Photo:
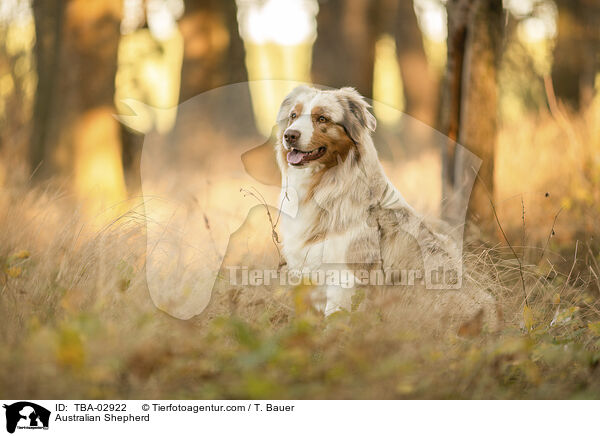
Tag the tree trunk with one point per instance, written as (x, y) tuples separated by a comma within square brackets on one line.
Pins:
[(458, 20), (344, 52), (479, 107), (74, 129), (470, 100), (213, 49), (418, 81), (48, 17), (577, 51)]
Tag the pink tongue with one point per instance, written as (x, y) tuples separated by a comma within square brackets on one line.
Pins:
[(295, 157)]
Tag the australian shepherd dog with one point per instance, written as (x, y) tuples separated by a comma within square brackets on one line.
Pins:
[(340, 211)]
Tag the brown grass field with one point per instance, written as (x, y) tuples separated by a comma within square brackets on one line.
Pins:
[(77, 321)]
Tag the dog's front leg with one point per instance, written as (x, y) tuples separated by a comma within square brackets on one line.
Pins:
[(339, 293), (338, 299)]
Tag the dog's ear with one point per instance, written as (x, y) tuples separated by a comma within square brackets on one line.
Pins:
[(357, 118)]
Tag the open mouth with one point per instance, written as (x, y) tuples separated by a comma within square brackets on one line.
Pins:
[(298, 157)]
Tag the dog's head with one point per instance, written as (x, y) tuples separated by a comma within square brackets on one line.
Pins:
[(322, 127)]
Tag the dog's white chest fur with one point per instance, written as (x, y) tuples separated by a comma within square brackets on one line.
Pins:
[(323, 236), (305, 247)]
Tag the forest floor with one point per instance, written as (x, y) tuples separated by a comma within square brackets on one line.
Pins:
[(77, 320)]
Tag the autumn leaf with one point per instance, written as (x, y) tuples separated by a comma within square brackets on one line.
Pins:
[(405, 388), (23, 254), (472, 327), (14, 271), (528, 317), (70, 351), (302, 298), (594, 327), (565, 316)]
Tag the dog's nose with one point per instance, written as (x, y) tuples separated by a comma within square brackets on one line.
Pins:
[(291, 136)]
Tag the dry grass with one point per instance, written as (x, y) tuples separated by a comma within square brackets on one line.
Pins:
[(550, 161), (77, 320)]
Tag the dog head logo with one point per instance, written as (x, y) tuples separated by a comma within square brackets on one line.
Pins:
[(26, 415)]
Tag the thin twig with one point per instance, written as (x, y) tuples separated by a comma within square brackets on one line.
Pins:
[(550, 234), (504, 234), (595, 263), (35, 170), (285, 197), (523, 230), (595, 276), (573, 265), (274, 236)]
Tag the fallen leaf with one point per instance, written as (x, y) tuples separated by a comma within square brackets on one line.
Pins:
[(565, 316), (70, 351), (472, 327), (14, 271), (23, 254), (594, 328), (528, 317)]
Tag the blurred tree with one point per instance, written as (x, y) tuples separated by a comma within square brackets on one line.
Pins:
[(74, 131), (470, 99), (458, 19), (213, 49), (577, 52), (213, 56), (48, 23), (17, 37), (343, 54), (420, 85)]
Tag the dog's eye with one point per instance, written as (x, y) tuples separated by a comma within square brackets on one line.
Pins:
[(293, 115), (322, 119)]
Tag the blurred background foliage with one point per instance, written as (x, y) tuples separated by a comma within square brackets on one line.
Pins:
[(67, 66), (514, 81)]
